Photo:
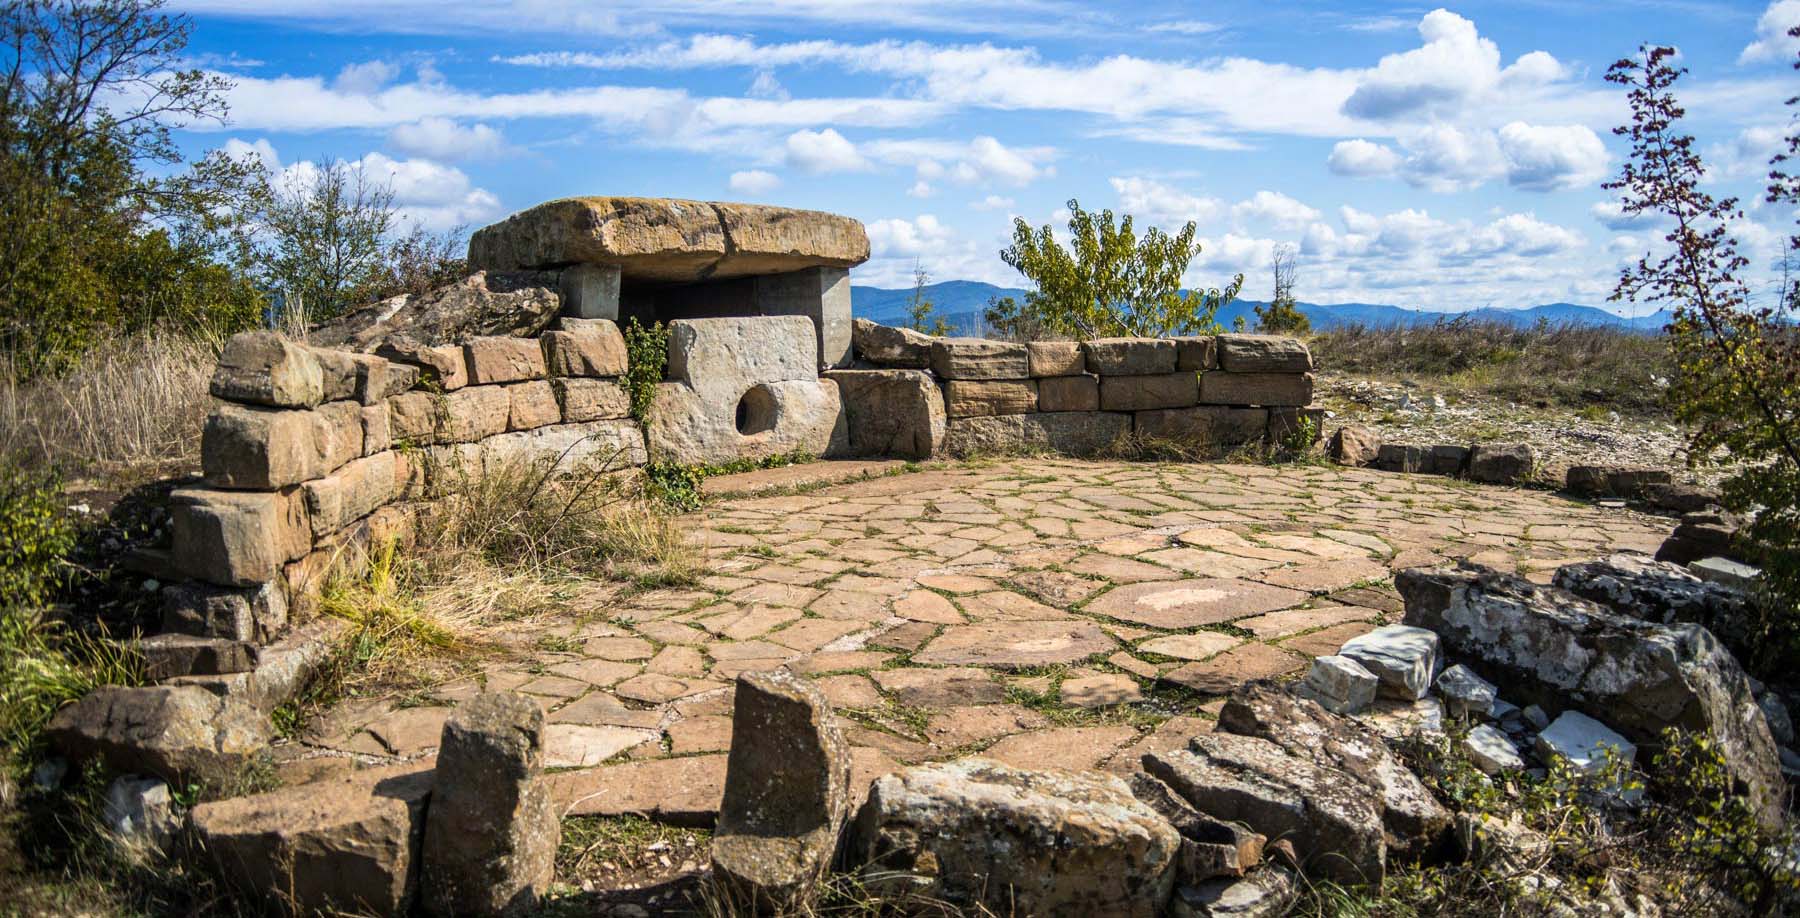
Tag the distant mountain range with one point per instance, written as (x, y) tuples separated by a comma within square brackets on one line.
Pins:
[(961, 304)]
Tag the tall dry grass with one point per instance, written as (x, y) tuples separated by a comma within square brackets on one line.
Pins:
[(132, 403)]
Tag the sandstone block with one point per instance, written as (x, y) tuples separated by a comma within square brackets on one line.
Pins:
[(1263, 354), (887, 346), (255, 614), (166, 656), (532, 404), (1501, 463), (503, 360), (491, 831), (263, 368), (1069, 393), (590, 291), (891, 412), (590, 399), (970, 398), (177, 733), (979, 358), (1220, 387), (1354, 445), (1209, 426), (1197, 352), (615, 444), (1075, 433), (444, 367), (1448, 459), (722, 358), (350, 493), (787, 791), (378, 432), (237, 538), (340, 370), (393, 379), (766, 419), (348, 843), (471, 414), (1140, 393), (1055, 358), (981, 835), (263, 448), (413, 417), (821, 295), (596, 350), (1130, 356)]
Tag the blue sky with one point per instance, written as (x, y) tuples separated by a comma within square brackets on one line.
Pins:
[(1439, 158)]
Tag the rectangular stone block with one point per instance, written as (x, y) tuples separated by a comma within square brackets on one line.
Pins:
[(533, 404), (263, 448), (721, 358), (887, 346), (590, 291), (338, 371), (237, 538), (979, 358), (590, 399), (617, 444), (1141, 393), (819, 294), (1069, 393), (378, 434), (1269, 390), (1130, 356), (598, 349), (1196, 352), (442, 367), (1075, 433), (1055, 358), (1396, 457), (502, 360), (1263, 354), (263, 368), (471, 414), (255, 614), (412, 418), (897, 413), (1449, 459), (353, 492), (1204, 426), (968, 398), (394, 379)]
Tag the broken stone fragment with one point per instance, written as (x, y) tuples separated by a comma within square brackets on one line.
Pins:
[(1465, 694), (787, 792), (1267, 893), (1209, 848), (891, 412), (177, 733), (1354, 445), (1340, 684), (141, 811), (886, 346), (168, 655), (513, 304), (1404, 658), (1587, 745), (1657, 591)]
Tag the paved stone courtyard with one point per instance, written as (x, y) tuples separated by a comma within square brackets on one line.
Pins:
[(1048, 613)]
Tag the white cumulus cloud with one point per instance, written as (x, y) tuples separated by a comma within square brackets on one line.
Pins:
[(1772, 40), (1552, 157), (754, 181), (444, 138), (1362, 158), (364, 78), (823, 151)]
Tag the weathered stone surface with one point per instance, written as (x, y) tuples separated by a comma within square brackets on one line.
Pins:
[(347, 843), (1205, 426), (722, 358), (1075, 433), (1501, 463), (1734, 575), (1055, 358), (1185, 604), (596, 349), (1339, 684), (1553, 648), (1400, 457), (1334, 823), (1491, 751), (1657, 591), (350, 493), (1404, 658), (1140, 393), (1464, 693), (1415, 822), (1448, 459), (896, 413), (614, 444), (1702, 534), (590, 292), (491, 831), (177, 733), (887, 346), (977, 833), (168, 655), (669, 240), (1267, 893), (1585, 743), (979, 358), (531, 404), (1681, 497), (378, 430), (1614, 480), (442, 366), (1354, 445), (1197, 352), (1130, 356), (255, 614), (263, 368), (1016, 645), (590, 400), (484, 303), (141, 810), (767, 419), (787, 791), (1263, 354), (1069, 393), (264, 448), (1209, 848), (965, 398), (237, 538), (494, 359), (1218, 387), (470, 414)]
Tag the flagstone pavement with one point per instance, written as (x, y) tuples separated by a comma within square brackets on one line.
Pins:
[(1047, 613)]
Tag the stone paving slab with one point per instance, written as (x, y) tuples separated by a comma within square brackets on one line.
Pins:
[(1048, 611)]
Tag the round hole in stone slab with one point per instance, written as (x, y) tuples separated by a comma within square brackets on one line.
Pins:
[(756, 411)]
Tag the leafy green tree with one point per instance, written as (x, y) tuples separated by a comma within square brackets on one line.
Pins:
[(1282, 316), (328, 225), (98, 234), (1738, 382), (1110, 282), (919, 308)]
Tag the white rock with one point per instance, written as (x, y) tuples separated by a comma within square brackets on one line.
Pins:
[(1341, 685), (1583, 742), (1502, 709), (1465, 694), (1491, 751), (140, 810), (1404, 658), (1726, 572), (1398, 720)]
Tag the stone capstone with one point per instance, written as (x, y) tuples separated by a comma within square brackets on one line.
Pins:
[(177, 733), (1557, 649), (491, 831), (891, 412), (513, 304), (978, 834), (1404, 658), (890, 347), (787, 792)]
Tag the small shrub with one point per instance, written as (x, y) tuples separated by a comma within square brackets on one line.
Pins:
[(647, 358)]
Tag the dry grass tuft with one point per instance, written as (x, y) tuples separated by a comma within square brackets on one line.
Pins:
[(132, 403)]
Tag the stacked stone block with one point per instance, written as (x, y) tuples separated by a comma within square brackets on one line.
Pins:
[(1080, 397)]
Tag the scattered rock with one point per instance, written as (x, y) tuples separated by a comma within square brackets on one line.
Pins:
[(1657, 591), (1702, 534), (1209, 848), (1465, 694), (1340, 684), (1397, 457), (140, 810), (1501, 463), (1491, 751), (1680, 498), (1267, 893), (1725, 572), (787, 791), (519, 305), (1585, 743), (1404, 658), (491, 831), (975, 833), (177, 733), (1504, 843), (168, 655), (1614, 481), (1536, 717), (887, 346)]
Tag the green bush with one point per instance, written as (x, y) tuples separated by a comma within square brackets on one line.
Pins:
[(647, 358), (35, 535)]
